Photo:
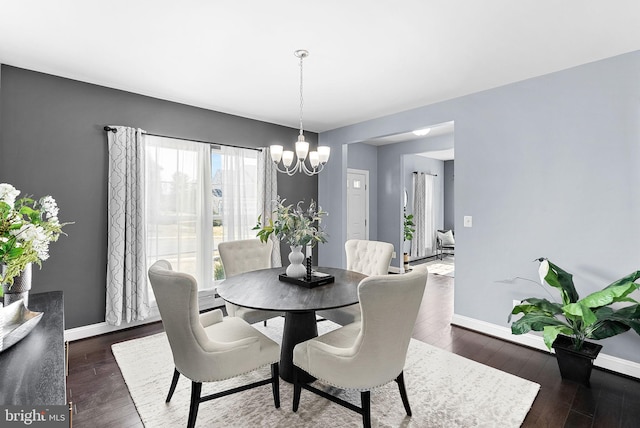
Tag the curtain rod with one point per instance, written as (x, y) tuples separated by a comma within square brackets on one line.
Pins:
[(416, 172), (114, 130)]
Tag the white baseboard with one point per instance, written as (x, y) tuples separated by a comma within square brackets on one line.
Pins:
[(605, 361), (206, 302)]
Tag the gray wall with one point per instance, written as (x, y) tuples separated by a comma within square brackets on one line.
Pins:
[(52, 142), (546, 167), (449, 194), (365, 156)]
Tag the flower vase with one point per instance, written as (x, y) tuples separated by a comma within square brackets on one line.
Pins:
[(296, 268), (19, 289)]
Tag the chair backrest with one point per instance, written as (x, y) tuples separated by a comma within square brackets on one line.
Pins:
[(244, 255), (177, 297), (368, 257), (390, 305)]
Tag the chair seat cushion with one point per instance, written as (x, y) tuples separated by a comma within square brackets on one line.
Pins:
[(343, 337), (253, 316), (232, 329), (343, 316)]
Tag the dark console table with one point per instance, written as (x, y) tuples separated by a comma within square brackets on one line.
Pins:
[(32, 372)]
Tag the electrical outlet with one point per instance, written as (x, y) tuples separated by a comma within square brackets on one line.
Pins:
[(393, 255)]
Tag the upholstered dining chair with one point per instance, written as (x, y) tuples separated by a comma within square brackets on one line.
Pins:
[(243, 256), (369, 353), (369, 258), (208, 347)]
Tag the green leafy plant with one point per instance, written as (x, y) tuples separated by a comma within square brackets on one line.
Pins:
[(27, 226), (409, 228), (296, 226), (588, 318)]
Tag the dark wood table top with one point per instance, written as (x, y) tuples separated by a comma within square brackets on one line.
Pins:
[(261, 289), (32, 372)]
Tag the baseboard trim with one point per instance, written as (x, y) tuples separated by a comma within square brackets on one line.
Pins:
[(97, 329), (608, 362)]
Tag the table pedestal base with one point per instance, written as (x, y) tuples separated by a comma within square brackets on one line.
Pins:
[(298, 327)]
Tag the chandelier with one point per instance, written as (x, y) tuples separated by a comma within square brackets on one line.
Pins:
[(317, 159)]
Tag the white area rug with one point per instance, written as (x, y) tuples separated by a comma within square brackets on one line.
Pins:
[(439, 268), (445, 390)]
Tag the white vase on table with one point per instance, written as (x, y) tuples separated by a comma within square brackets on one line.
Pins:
[(296, 268)]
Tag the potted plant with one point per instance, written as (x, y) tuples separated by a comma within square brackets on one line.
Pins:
[(27, 226), (298, 228), (566, 326), (409, 229)]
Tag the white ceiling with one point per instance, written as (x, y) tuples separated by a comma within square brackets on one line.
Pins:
[(367, 59)]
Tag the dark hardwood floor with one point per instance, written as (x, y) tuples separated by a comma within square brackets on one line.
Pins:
[(101, 399)]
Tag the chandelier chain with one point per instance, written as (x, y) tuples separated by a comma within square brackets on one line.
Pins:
[(301, 97)]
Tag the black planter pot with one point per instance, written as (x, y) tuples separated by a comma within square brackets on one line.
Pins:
[(575, 365)]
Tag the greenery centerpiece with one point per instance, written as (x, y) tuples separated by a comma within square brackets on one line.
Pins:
[(296, 226), (27, 227), (591, 317)]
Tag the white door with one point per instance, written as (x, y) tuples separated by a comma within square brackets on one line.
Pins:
[(357, 204)]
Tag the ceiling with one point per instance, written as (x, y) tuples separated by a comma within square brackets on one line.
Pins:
[(367, 59)]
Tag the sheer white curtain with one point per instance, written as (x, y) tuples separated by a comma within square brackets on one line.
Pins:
[(126, 288), (422, 244), (239, 192), (179, 206), (267, 194)]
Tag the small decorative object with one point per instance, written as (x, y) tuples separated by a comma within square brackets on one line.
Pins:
[(20, 288), (297, 227), (18, 321), (27, 227), (309, 271), (567, 325)]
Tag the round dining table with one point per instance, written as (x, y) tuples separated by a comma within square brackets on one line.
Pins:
[(262, 289)]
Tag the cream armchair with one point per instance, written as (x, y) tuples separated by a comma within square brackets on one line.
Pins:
[(369, 353), (369, 258), (208, 347), (244, 256)]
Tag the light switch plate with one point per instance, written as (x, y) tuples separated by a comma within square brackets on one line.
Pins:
[(468, 221)]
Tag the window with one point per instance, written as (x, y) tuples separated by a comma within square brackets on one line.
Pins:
[(197, 195)]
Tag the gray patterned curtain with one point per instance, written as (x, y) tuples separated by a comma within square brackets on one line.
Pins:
[(422, 244), (418, 243), (127, 296), (267, 193)]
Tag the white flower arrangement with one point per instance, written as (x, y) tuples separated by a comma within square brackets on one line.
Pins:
[(27, 227)]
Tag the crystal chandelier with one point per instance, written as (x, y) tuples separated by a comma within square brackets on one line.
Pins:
[(317, 159)]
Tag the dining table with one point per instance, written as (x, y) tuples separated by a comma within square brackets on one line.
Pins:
[(263, 289)]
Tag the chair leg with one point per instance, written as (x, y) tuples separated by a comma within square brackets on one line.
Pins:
[(365, 396), (275, 384), (403, 393), (174, 382), (265, 322), (196, 389), (296, 390)]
